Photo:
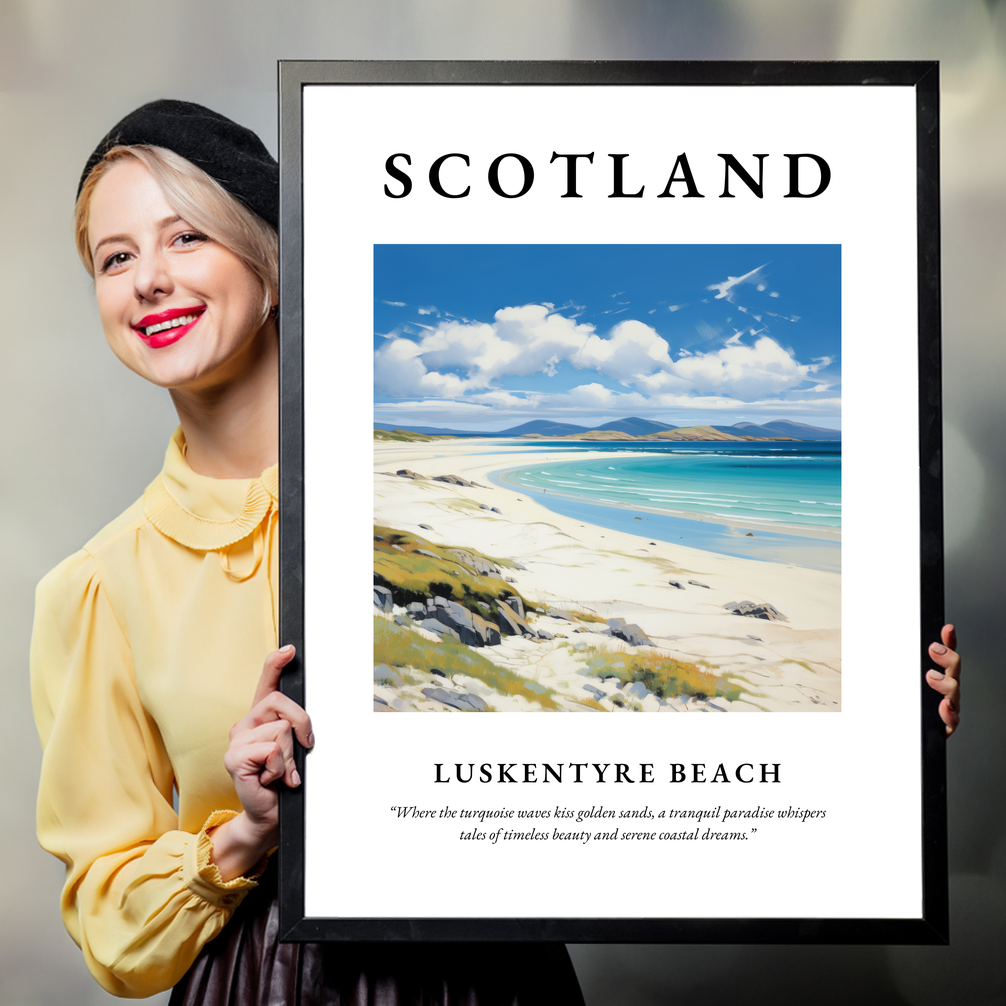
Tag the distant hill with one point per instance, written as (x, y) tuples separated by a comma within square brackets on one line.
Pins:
[(782, 428), (708, 433), (434, 431), (635, 426), (699, 433), (678, 433), (543, 427), (600, 434), (407, 436)]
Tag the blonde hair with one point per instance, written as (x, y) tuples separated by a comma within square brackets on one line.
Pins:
[(199, 200)]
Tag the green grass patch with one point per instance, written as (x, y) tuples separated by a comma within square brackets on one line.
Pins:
[(398, 646), (445, 572), (662, 675), (465, 555), (589, 704), (799, 663)]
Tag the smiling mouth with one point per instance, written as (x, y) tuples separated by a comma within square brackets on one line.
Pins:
[(166, 324), (185, 319), (167, 327)]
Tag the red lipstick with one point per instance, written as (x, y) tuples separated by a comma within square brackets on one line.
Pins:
[(166, 327)]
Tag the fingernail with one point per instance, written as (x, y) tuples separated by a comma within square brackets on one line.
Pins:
[(295, 777), (938, 648), (310, 740), (936, 675), (287, 649)]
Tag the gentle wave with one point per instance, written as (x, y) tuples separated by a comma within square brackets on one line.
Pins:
[(766, 488)]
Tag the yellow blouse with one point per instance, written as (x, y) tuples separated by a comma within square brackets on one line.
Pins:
[(147, 647)]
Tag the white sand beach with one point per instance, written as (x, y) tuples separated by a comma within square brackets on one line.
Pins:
[(791, 664)]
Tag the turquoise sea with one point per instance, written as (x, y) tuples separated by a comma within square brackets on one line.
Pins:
[(753, 499)]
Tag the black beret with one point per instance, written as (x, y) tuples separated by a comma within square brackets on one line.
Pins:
[(230, 154)]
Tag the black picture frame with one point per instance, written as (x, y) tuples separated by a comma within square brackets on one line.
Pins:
[(931, 927)]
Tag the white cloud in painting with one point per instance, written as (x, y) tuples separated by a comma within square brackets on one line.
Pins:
[(454, 359), (718, 403), (521, 341), (743, 372), (629, 350), (596, 397), (401, 367)]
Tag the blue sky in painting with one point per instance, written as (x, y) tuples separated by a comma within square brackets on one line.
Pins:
[(490, 336)]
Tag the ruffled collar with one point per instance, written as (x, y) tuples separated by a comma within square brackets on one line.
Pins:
[(203, 513)]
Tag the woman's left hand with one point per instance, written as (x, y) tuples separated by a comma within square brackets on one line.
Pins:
[(948, 681)]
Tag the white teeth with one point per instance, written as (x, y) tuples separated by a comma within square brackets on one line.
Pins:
[(173, 323)]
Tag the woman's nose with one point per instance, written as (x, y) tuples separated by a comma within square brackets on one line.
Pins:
[(152, 277)]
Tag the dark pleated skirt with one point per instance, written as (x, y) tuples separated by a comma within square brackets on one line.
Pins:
[(246, 965)]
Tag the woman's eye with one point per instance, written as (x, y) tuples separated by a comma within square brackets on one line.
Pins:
[(114, 261), (190, 238)]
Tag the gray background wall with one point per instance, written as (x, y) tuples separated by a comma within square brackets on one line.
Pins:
[(82, 436)]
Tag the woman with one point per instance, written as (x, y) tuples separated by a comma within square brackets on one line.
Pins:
[(149, 642)]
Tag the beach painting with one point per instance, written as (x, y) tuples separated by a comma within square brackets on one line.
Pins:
[(607, 478)]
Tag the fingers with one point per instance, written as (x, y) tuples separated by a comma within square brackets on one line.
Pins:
[(265, 751), (949, 712), (951, 717), (947, 681), (271, 671), (262, 761), (945, 655), (261, 749), (949, 688), (271, 759), (949, 636), (270, 703), (277, 706), (948, 660)]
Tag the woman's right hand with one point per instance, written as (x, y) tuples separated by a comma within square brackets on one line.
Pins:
[(259, 754)]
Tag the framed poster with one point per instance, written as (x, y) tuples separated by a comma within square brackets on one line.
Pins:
[(633, 370)]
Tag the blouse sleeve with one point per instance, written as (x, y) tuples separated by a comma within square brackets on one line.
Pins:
[(141, 898)]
